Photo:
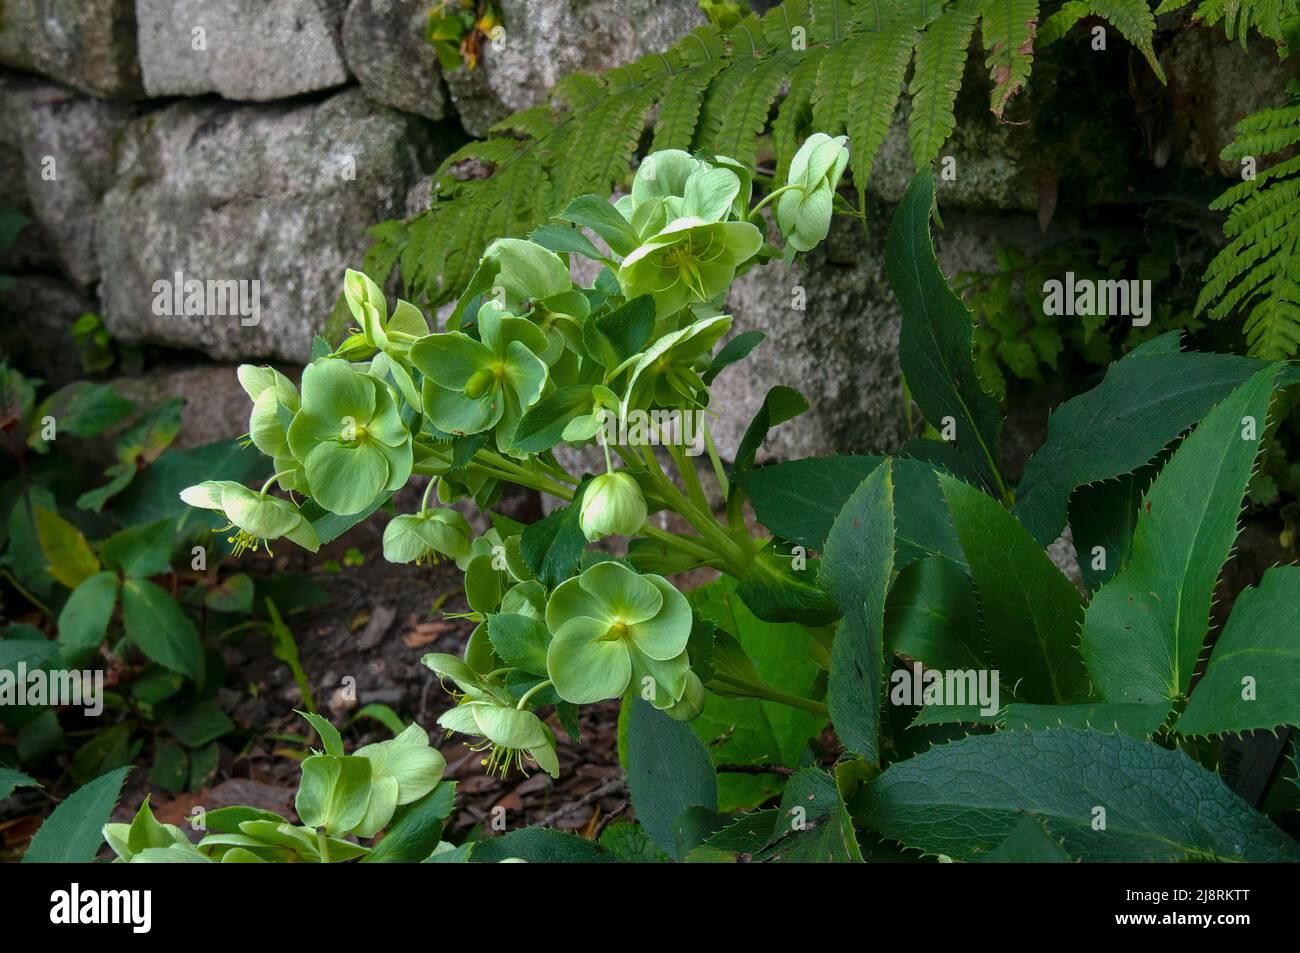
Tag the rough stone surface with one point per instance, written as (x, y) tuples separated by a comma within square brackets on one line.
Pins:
[(841, 352), (216, 407), (89, 44), (1213, 85), (278, 194), (545, 39), (37, 314), (68, 145), (248, 49), (383, 41)]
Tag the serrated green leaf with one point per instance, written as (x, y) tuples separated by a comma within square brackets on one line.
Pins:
[(668, 771), (1253, 672), (964, 799), (1143, 631), (1031, 611), (71, 834), (1145, 401)]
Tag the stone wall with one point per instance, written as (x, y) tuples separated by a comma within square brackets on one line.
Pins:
[(240, 140)]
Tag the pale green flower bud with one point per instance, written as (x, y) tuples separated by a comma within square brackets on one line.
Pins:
[(612, 506), (689, 706)]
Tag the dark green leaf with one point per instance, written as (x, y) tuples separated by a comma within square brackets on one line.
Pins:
[(554, 544), (855, 572), (158, 627), (141, 551), (936, 337), (415, 828), (668, 771), (965, 798), (1031, 611), (71, 834)]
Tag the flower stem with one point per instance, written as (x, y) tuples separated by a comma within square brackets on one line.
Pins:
[(531, 692), (771, 195), (768, 693), (272, 479), (424, 500)]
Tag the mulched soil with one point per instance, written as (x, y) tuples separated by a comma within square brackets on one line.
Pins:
[(378, 623)]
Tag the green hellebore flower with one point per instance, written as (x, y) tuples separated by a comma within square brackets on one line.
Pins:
[(471, 386), (612, 505), (402, 770), (689, 261), (507, 734), (349, 436), (610, 626), (421, 537), (804, 214), (534, 282), (258, 517), (275, 401), (670, 185), (663, 374)]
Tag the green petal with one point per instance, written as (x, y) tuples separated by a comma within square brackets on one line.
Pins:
[(628, 596), (450, 359), (400, 460), (380, 808), (663, 173), (453, 412), (265, 516), (333, 391), (386, 425), (667, 678), (571, 601), (305, 535), (665, 636), (345, 479), (584, 670), (265, 426), (308, 431), (453, 667), (404, 540), (460, 719), (546, 758), (417, 770), (205, 495), (508, 726), (709, 194), (527, 269)]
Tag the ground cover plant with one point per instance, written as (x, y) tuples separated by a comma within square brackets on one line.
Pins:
[(905, 601)]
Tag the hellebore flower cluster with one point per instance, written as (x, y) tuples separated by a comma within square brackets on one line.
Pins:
[(527, 365)]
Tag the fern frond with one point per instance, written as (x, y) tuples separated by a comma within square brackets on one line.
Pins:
[(1063, 21), (1007, 29), (841, 64), (746, 115), (794, 116), (877, 84), (936, 80), (680, 111), (1135, 23), (1258, 271)]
